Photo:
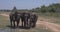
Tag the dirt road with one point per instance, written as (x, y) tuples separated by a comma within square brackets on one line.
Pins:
[(44, 21), (5, 15), (54, 27)]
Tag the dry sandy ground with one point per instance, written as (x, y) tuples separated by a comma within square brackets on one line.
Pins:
[(45, 22), (52, 26), (5, 15)]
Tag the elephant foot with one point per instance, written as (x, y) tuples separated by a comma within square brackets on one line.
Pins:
[(33, 26)]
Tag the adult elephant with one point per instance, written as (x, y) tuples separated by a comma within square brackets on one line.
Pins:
[(27, 15), (14, 17), (33, 20), (24, 18)]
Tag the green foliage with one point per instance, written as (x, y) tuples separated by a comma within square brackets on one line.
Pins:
[(50, 8)]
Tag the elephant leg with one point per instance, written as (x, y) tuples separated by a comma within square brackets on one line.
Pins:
[(24, 24), (14, 23), (11, 23), (34, 24), (27, 23), (30, 24), (17, 23)]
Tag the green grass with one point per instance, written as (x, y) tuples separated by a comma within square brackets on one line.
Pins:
[(4, 21), (52, 15)]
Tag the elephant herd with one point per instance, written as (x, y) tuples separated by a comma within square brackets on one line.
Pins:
[(26, 19)]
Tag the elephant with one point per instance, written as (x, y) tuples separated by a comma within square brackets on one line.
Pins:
[(14, 17), (33, 20), (27, 15), (24, 18)]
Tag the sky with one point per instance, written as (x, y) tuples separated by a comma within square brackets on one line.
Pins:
[(25, 4)]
